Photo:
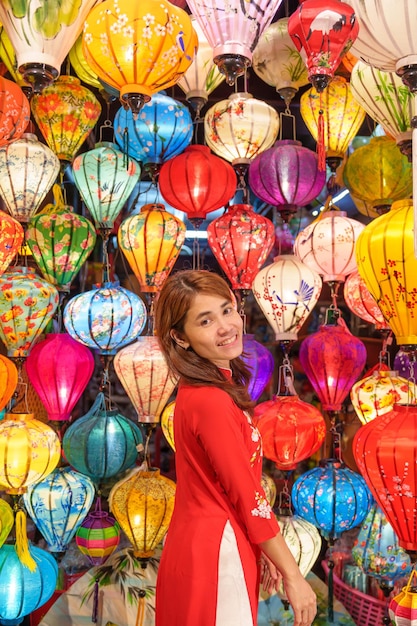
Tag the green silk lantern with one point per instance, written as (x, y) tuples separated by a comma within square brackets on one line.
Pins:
[(6, 520)]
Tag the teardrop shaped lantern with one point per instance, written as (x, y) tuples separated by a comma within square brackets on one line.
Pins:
[(98, 536), (8, 380), (361, 302), (58, 504), (151, 54), (151, 241), (117, 437), (241, 241), (28, 169), (144, 374), (260, 363), (287, 291), (59, 368), (14, 111), (11, 239), (105, 318)]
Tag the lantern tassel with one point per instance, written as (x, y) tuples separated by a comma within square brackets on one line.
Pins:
[(321, 148), (22, 544), (330, 612), (141, 608), (94, 616)]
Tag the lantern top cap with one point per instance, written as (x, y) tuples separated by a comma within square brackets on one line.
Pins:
[(240, 95)]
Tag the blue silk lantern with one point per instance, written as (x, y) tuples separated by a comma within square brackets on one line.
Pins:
[(102, 443), (58, 505), (106, 318), (332, 497), (22, 591), (260, 362), (162, 129)]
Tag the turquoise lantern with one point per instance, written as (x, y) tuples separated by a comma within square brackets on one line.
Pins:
[(58, 505), (102, 443)]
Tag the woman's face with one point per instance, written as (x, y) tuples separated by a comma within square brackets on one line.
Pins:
[(213, 328)]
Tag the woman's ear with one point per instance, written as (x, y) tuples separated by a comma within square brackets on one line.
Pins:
[(180, 342)]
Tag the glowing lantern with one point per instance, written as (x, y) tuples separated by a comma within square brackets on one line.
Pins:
[(82, 69), (11, 239), (6, 520), (260, 362), (241, 241), (28, 169), (167, 423), (29, 451), (361, 302), (117, 437), (28, 303), (378, 173), (151, 242), (66, 113), (143, 504), (98, 536), (144, 374), (8, 380), (323, 31), (43, 36), (292, 430), (286, 291), (58, 381), (197, 182), (105, 178), (71, 495), (151, 54), (277, 61), (388, 266), (14, 111), (105, 318)]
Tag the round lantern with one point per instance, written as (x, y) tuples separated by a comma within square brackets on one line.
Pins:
[(66, 113), (402, 608), (28, 303), (58, 504), (151, 54), (331, 497), (28, 169), (98, 536), (161, 131), (117, 437), (11, 239), (29, 451), (15, 111), (105, 178), (286, 291), (239, 128), (361, 302), (105, 318), (151, 241), (323, 31), (260, 362), (241, 241), (327, 245), (286, 176), (167, 423), (197, 182), (292, 430), (82, 69), (378, 173), (332, 359), (59, 381), (386, 262), (143, 504), (144, 374), (22, 591)]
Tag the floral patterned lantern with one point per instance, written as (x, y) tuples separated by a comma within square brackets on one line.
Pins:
[(66, 113), (28, 304), (144, 374), (260, 362), (151, 242), (11, 239), (287, 176), (292, 430), (323, 31), (8, 380), (28, 169), (58, 504), (29, 451), (98, 536), (105, 178), (105, 318), (150, 55), (117, 437), (233, 30), (15, 111), (286, 291), (361, 302), (78, 61), (58, 381), (241, 241)]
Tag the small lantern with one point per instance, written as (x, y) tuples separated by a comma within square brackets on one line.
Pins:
[(402, 608), (98, 536)]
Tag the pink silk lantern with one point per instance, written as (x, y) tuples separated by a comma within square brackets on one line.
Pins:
[(59, 369), (360, 301)]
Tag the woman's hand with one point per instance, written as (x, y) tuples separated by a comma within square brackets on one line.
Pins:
[(270, 576), (302, 600)]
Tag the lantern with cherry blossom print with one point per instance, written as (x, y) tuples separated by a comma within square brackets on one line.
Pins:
[(11, 239), (260, 362), (361, 302)]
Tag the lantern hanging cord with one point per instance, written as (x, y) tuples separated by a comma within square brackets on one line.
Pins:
[(106, 261), (336, 443), (286, 377), (384, 355), (284, 498), (412, 379)]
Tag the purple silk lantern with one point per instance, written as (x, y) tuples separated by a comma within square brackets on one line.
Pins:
[(261, 364), (402, 364), (287, 176)]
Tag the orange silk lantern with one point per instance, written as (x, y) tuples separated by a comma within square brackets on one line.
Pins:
[(14, 111), (8, 380), (11, 239)]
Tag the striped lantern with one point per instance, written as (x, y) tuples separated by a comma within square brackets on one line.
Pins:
[(98, 536)]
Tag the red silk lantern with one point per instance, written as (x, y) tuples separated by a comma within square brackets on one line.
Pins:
[(11, 239), (241, 241), (59, 368), (197, 182), (292, 430), (14, 111), (323, 31)]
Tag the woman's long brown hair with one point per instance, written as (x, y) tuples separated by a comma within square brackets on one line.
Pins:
[(171, 310)]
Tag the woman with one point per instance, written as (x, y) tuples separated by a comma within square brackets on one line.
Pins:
[(223, 537)]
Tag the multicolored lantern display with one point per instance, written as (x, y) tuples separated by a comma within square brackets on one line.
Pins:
[(98, 536), (11, 239), (59, 381), (361, 302), (260, 362), (14, 111)]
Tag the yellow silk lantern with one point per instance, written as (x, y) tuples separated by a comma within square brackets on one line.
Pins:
[(386, 262), (167, 423)]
